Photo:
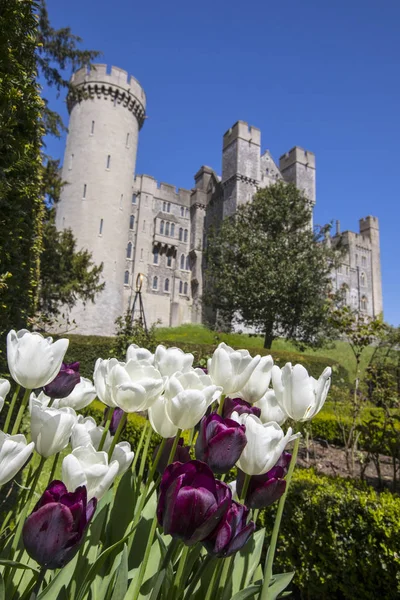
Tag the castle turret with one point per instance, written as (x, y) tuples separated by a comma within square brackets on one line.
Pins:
[(240, 165), (99, 165), (369, 228), (298, 166)]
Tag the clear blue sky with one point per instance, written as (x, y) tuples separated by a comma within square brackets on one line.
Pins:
[(322, 75)]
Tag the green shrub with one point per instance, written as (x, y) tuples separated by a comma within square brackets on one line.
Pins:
[(342, 538)]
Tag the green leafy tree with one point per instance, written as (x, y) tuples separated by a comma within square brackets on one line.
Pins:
[(132, 332), (266, 267)]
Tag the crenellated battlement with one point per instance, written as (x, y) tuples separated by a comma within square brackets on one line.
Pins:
[(297, 155), (244, 131), (110, 83)]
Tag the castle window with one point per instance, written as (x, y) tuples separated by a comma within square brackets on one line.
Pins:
[(167, 228), (121, 200), (144, 225), (131, 221), (92, 128), (166, 285), (168, 207), (155, 256), (127, 140), (363, 303), (356, 259), (363, 279), (185, 238), (180, 234), (108, 161), (185, 288), (172, 229), (164, 206), (84, 190), (155, 283), (101, 227), (187, 263), (181, 287), (129, 250), (126, 278), (363, 261), (187, 211), (182, 262), (71, 160), (182, 211), (161, 227), (169, 260), (134, 198)]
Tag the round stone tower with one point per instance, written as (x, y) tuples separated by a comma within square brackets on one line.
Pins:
[(106, 115)]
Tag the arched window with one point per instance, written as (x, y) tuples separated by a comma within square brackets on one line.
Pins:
[(166, 285), (182, 211), (181, 287), (134, 198), (185, 288), (363, 279), (129, 250), (187, 263), (131, 221), (180, 234), (172, 229), (167, 228), (108, 164), (155, 282), (126, 278), (169, 260), (169, 207), (182, 261), (185, 239), (161, 227), (164, 206), (363, 303), (155, 256)]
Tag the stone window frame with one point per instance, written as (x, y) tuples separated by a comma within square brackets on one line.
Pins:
[(364, 303), (180, 286), (167, 228), (182, 262), (363, 279), (181, 234), (129, 251), (168, 259), (185, 288), (156, 256), (172, 230), (132, 222), (154, 283), (166, 285), (185, 235), (126, 277), (162, 225)]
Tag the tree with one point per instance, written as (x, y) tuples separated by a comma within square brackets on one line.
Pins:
[(268, 269)]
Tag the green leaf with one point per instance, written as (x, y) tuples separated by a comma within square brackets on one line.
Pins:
[(121, 582), (2, 588), (279, 584), (122, 508), (249, 592), (246, 562), (157, 585), (61, 580), (16, 564)]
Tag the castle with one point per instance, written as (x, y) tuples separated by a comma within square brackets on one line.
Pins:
[(134, 225)]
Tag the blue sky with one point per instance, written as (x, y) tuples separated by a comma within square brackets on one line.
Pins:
[(324, 76)]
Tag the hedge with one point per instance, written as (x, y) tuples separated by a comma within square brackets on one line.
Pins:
[(341, 538), (87, 349)]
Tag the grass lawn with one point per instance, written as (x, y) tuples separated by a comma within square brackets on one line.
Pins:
[(198, 334)]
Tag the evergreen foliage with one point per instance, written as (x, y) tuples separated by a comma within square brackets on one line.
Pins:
[(268, 266)]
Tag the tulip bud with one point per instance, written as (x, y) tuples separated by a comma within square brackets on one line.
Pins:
[(240, 406), (54, 531), (65, 381), (81, 396), (232, 533), (181, 455), (115, 419), (220, 442), (265, 489), (192, 502)]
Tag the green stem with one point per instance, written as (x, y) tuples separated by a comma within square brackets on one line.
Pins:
[(21, 411), (224, 577), (155, 463), (197, 576), (11, 409), (175, 590), (143, 566), (107, 424), (53, 468), (38, 585), (143, 459), (255, 515), (36, 479), (269, 561), (117, 434), (221, 404), (214, 578), (138, 449), (174, 447), (245, 488)]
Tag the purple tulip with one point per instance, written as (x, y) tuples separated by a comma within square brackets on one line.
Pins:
[(191, 502), (265, 489), (182, 454), (53, 532), (240, 406), (220, 442), (68, 377), (232, 534), (115, 419)]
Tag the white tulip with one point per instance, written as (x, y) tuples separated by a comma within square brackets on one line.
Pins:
[(34, 361), (300, 396), (265, 444), (231, 369), (101, 379), (141, 355), (188, 395), (258, 382), (85, 466), (14, 452), (171, 360), (270, 409), (50, 427), (123, 455), (135, 386), (4, 389), (81, 396), (159, 419)]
